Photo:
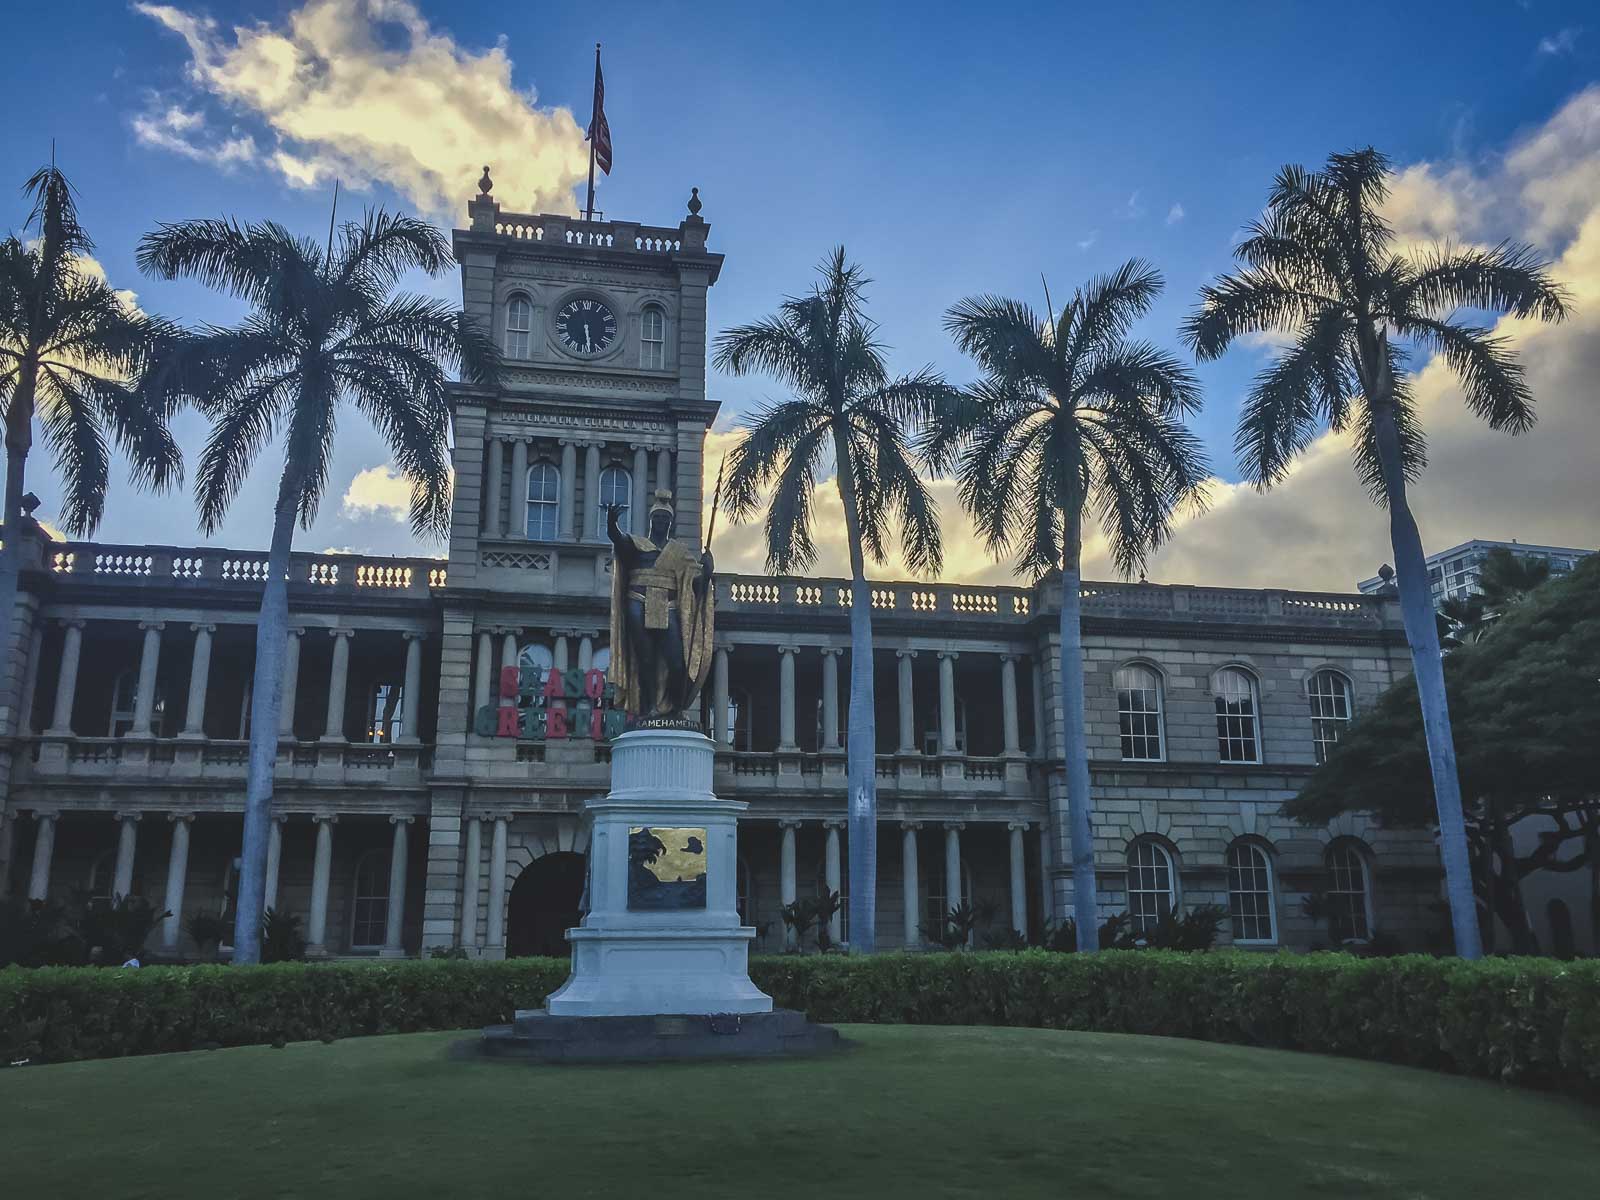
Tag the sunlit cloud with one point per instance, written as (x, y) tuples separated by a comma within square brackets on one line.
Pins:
[(378, 491)]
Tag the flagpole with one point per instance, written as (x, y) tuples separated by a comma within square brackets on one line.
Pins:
[(588, 214)]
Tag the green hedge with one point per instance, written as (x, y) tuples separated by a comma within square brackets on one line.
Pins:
[(1532, 1021)]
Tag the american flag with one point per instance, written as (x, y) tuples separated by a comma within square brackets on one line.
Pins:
[(600, 132)]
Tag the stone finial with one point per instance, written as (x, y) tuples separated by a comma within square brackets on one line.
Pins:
[(694, 202), (485, 185)]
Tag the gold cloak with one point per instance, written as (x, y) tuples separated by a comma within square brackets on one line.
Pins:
[(676, 571)]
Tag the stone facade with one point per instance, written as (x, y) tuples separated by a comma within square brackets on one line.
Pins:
[(402, 827)]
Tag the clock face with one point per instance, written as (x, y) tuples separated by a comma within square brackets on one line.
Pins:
[(586, 326)]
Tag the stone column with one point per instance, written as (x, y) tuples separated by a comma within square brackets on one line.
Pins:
[(910, 886), (1041, 734), (787, 891), (194, 718), (44, 848), (908, 715), (482, 687), (947, 702), (411, 694), (831, 874), (517, 513), (508, 658), (561, 652), (274, 861), (1047, 891), (67, 679), (586, 653), (569, 491), (830, 698), (177, 877), (492, 523), (786, 738), (321, 873), (144, 697), (291, 683), (495, 937), (394, 916), (127, 846), (722, 730), (1019, 879), (596, 521), (1008, 703), (664, 472), (338, 678), (952, 863), (30, 681), (641, 489), (469, 882)]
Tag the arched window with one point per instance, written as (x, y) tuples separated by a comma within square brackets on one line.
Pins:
[(1139, 713), (1349, 894), (1238, 734), (1152, 884), (1329, 692), (369, 912), (616, 491), (1250, 901), (653, 338), (544, 501), (536, 658), (519, 327), (601, 660)]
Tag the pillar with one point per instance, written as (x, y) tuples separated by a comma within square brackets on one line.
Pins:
[(561, 652), (492, 519), (194, 717), (127, 846), (831, 874), (952, 864), (338, 678), (44, 848), (1019, 879), (394, 917), (23, 723), (787, 891), (664, 471), (1047, 891), (641, 490), (144, 696), (274, 861), (177, 877), (586, 653), (569, 491), (321, 872), (508, 658), (495, 937), (722, 728), (786, 738), (481, 689), (411, 694), (291, 683), (908, 715), (517, 514), (67, 679), (595, 524), (1008, 703), (830, 698), (1041, 733), (469, 883), (947, 702), (910, 887)]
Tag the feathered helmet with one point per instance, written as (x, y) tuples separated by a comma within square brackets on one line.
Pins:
[(663, 503)]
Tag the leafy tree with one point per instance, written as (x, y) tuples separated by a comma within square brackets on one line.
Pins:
[(325, 329), (846, 408), (1506, 579), (1320, 265), (1525, 710), (1462, 621), (85, 364), (1071, 420)]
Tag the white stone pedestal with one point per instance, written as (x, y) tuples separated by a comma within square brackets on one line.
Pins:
[(632, 961)]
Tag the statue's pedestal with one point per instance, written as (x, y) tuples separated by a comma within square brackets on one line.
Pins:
[(661, 937)]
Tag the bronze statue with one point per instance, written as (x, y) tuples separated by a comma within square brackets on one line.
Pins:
[(661, 616)]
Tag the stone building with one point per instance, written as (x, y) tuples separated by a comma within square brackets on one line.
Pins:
[(404, 822)]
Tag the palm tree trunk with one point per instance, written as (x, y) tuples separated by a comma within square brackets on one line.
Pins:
[(266, 699), (19, 440), (1075, 750), (861, 738), (1422, 633)]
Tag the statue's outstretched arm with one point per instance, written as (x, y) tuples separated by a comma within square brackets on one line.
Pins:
[(621, 542)]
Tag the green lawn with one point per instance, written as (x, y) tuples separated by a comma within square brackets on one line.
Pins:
[(996, 1113)]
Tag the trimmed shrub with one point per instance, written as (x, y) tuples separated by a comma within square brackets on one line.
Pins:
[(1518, 1020)]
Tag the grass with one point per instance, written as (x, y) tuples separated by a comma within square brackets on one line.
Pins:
[(910, 1111)]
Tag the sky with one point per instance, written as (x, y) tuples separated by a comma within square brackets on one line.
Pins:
[(953, 150)]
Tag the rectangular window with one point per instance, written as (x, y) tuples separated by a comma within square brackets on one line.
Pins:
[(653, 340)]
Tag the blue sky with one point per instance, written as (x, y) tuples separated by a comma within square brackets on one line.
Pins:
[(951, 148)]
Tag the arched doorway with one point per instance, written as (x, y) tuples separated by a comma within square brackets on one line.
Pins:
[(544, 905)]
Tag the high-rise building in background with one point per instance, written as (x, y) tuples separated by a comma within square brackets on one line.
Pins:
[(1453, 573)]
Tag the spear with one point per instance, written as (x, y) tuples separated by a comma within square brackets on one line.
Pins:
[(716, 502)]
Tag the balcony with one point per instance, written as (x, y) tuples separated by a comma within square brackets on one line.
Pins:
[(182, 760), (907, 776), (212, 567)]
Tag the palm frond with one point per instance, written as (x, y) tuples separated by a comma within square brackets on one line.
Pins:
[(1507, 278), (1110, 304), (1255, 300), (1491, 377)]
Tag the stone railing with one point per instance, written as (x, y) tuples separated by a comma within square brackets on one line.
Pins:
[(94, 562), (549, 229), (782, 594), (217, 758)]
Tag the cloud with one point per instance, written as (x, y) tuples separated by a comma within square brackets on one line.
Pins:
[(367, 91), (1564, 42), (1175, 213), (378, 491), (1090, 239), (1131, 209)]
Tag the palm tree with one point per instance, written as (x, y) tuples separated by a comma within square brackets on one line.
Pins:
[(325, 329), (847, 408), (1506, 579), (1071, 419), (1320, 265), (1461, 621), (83, 362)]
